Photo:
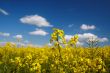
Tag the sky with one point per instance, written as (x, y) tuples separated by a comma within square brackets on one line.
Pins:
[(33, 20)]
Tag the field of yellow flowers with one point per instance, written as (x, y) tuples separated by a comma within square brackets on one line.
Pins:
[(49, 60), (62, 57)]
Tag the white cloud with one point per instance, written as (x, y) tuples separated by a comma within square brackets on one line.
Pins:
[(3, 12), (87, 27), (85, 36), (49, 44), (80, 43), (68, 37), (18, 36), (38, 32), (4, 34), (103, 39), (90, 36), (35, 20)]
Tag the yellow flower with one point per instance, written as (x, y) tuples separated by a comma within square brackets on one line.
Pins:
[(103, 70), (17, 59), (99, 66), (56, 62), (29, 57), (88, 61), (82, 59), (52, 65), (53, 36), (57, 34), (12, 61), (1, 62), (73, 40)]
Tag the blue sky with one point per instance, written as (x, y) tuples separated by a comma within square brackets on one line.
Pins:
[(33, 20)]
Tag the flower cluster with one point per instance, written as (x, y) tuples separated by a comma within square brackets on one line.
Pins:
[(73, 40), (58, 34)]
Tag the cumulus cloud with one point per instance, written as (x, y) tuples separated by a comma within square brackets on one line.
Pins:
[(49, 44), (80, 43), (4, 34), (87, 27), (40, 32), (91, 36), (3, 12), (68, 37), (35, 20), (85, 36), (18, 36), (103, 39)]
